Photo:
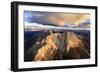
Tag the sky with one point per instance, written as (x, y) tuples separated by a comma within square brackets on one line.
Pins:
[(62, 19)]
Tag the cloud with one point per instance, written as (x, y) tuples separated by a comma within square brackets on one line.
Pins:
[(40, 27), (56, 18), (32, 24)]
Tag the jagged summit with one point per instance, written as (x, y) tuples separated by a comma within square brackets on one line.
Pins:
[(59, 46)]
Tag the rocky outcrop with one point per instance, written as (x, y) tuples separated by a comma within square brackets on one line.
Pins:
[(60, 46), (53, 49), (77, 46)]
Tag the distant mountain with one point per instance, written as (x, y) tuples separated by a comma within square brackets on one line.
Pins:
[(83, 25)]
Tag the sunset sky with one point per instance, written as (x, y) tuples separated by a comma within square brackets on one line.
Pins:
[(56, 19)]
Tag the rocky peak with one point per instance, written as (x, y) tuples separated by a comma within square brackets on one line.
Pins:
[(60, 46)]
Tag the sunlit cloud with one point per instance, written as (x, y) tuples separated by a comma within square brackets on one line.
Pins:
[(57, 19)]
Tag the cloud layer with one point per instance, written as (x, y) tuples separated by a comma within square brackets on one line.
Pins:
[(56, 18)]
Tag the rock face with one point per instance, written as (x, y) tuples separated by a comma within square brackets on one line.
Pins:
[(61, 46), (53, 49), (77, 46)]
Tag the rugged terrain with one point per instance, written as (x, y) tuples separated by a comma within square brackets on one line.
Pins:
[(51, 45)]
